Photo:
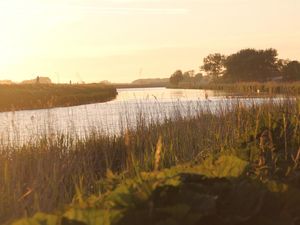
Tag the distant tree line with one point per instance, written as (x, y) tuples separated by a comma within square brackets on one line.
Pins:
[(247, 65), (189, 76)]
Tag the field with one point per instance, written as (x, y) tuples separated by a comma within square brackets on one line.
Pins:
[(184, 169), (38, 96)]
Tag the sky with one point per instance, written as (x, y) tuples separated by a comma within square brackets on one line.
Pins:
[(124, 40)]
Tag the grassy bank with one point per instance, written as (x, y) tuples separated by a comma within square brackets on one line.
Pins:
[(37, 96), (216, 192), (246, 87), (47, 174)]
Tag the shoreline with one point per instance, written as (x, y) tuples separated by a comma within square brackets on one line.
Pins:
[(290, 88), (47, 96)]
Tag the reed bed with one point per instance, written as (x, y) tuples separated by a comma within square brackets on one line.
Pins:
[(39, 96), (272, 87), (44, 174)]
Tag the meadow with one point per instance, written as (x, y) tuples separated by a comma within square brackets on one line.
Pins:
[(250, 151), (37, 96)]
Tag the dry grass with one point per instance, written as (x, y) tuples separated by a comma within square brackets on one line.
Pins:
[(248, 87), (42, 175), (37, 96)]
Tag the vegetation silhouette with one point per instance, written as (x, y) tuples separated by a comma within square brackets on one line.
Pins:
[(37, 96), (247, 65)]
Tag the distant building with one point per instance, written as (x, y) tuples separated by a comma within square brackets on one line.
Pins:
[(105, 82), (149, 81), (6, 82), (40, 80)]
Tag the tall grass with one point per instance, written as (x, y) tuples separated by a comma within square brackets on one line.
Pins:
[(43, 174), (271, 87), (37, 96)]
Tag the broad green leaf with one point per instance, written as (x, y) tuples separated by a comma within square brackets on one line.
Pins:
[(224, 166), (39, 219), (93, 216)]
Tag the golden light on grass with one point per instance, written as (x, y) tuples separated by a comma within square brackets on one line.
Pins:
[(158, 152)]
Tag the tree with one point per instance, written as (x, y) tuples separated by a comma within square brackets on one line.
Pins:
[(188, 76), (291, 71), (281, 64), (176, 77), (252, 65), (198, 77), (213, 65)]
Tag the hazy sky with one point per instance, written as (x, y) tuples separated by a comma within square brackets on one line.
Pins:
[(122, 40)]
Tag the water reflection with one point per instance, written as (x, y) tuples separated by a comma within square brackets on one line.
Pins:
[(164, 94)]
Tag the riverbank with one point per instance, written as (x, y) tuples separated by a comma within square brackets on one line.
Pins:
[(152, 85), (289, 88), (39, 96), (54, 171)]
